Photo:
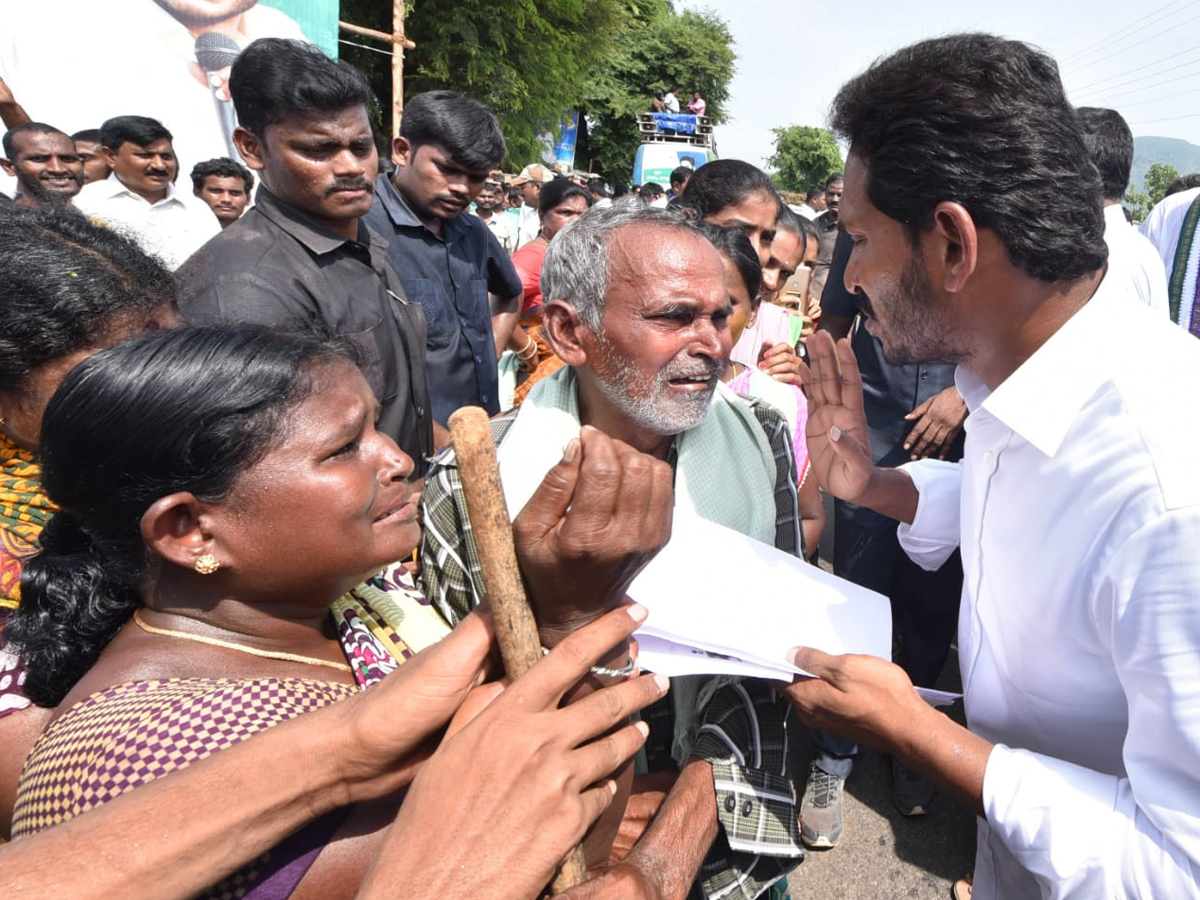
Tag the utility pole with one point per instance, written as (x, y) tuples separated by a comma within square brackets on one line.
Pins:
[(399, 44)]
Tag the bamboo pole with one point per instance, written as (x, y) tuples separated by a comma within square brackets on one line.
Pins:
[(398, 67), (399, 44)]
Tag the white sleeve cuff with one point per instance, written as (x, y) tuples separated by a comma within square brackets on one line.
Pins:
[(935, 530)]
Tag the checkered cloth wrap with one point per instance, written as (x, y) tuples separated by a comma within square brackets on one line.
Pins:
[(742, 728), (131, 734)]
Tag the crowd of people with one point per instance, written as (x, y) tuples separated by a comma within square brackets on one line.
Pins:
[(245, 642)]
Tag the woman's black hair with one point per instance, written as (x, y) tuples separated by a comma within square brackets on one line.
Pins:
[(64, 285), (733, 243), (557, 191), (722, 183), (187, 409)]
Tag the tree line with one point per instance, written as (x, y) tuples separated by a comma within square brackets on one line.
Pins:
[(533, 61)]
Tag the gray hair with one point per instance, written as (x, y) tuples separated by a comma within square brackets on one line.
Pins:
[(577, 262)]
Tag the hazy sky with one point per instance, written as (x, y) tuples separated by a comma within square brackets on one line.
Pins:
[(793, 55)]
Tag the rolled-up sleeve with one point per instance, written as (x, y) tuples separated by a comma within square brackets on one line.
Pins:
[(935, 530)]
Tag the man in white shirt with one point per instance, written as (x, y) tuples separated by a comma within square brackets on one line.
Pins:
[(1076, 506), (671, 100), (1171, 228), (1110, 146), (489, 206), (139, 197), (530, 182), (814, 203)]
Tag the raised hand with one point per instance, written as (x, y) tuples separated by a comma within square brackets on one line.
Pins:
[(838, 443)]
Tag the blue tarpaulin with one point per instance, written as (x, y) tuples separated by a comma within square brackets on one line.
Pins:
[(676, 122)]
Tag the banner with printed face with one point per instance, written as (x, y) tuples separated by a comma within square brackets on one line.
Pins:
[(74, 63)]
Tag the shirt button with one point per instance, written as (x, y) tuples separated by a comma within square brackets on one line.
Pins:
[(989, 458), (420, 411), (484, 398), (747, 808), (462, 319), (479, 359), (730, 803)]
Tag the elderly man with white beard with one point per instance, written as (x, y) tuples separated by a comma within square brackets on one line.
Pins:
[(637, 308)]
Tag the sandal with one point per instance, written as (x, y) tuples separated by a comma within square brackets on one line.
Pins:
[(961, 890)]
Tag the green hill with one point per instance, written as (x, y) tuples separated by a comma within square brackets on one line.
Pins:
[(1184, 156)]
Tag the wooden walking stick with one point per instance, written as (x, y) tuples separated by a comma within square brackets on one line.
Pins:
[(516, 629)]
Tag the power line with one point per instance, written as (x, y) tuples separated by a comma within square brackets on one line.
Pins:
[(1168, 119), (1145, 22), (1157, 62), (364, 47), (1167, 97), (1128, 47), (1149, 87)]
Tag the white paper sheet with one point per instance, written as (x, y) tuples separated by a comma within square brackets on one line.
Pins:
[(720, 601)]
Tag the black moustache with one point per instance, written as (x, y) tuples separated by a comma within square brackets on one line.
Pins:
[(357, 185)]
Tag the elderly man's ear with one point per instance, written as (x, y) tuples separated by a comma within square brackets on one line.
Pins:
[(566, 333)]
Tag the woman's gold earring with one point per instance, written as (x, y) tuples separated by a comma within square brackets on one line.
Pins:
[(207, 564)]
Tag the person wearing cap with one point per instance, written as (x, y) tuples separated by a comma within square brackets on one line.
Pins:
[(530, 182)]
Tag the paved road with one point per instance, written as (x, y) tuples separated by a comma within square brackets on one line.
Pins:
[(883, 854)]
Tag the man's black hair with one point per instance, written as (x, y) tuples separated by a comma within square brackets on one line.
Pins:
[(834, 179), (466, 128), (91, 135), (137, 130), (1183, 183), (814, 190), (222, 167), (27, 128), (680, 176), (652, 189), (984, 122), (275, 77), (1109, 143)]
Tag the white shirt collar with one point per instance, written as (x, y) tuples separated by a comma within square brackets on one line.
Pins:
[(1114, 217), (116, 188), (1040, 400)]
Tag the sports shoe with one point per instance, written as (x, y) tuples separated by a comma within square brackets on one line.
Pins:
[(821, 819), (911, 793)]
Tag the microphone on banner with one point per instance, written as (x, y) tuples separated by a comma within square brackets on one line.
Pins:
[(215, 52)]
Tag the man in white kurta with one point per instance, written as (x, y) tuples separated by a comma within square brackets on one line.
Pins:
[(1171, 228), (1076, 506)]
